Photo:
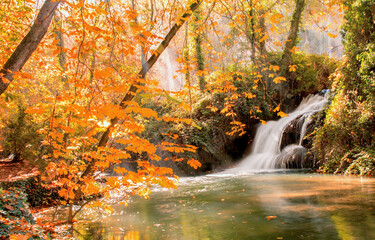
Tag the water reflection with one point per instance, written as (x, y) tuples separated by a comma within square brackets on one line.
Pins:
[(260, 206)]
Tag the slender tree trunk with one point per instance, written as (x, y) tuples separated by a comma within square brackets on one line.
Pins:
[(252, 34), (262, 25), (186, 55), (199, 50), (290, 44), (28, 44), (60, 38), (143, 54), (70, 213)]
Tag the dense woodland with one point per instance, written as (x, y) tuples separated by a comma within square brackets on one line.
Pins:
[(150, 90)]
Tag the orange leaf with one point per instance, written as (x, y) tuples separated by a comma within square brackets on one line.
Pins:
[(279, 79), (275, 18), (331, 35), (292, 68), (282, 114), (36, 110), (113, 182), (194, 163), (277, 108), (120, 170), (271, 217)]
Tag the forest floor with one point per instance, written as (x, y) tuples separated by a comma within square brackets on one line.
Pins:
[(10, 171)]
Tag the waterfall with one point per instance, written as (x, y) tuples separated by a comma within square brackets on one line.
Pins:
[(267, 150), (169, 77)]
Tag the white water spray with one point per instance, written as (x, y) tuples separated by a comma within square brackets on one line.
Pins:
[(266, 150)]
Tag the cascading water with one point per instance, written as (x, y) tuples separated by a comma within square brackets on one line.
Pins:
[(266, 150)]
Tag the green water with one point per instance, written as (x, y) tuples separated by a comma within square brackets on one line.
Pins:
[(257, 206)]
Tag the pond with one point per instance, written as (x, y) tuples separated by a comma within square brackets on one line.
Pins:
[(273, 205)]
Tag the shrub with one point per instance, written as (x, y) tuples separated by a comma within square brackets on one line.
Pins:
[(15, 217), (345, 142), (21, 137)]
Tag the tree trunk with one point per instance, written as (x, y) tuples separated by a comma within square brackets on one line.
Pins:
[(60, 38), (199, 50), (186, 56), (252, 34), (28, 44), (290, 44), (262, 26)]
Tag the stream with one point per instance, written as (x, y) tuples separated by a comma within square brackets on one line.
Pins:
[(268, 205)]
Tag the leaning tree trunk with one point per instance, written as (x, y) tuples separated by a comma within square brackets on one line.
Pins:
[(291, 42), (28, 44)]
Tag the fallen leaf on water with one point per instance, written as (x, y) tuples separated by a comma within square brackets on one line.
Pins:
[(270, 217)]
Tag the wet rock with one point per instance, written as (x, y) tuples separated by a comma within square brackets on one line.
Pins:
[(292, 156)]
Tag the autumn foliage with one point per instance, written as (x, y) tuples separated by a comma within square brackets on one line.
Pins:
[(83, 85)]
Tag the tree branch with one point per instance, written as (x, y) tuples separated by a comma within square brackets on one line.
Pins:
[(28, 44)]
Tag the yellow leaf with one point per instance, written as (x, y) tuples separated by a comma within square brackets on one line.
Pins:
[(277, 108), (331, 35), (275, 18), (144, 192), (292, 68), (294, 49), (282, 114), (279, 79), (194, 163), (275, 68), (263, 122), (249, 95), (263, 38)]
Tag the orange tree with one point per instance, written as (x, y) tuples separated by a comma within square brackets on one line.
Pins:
[(80, 84)]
